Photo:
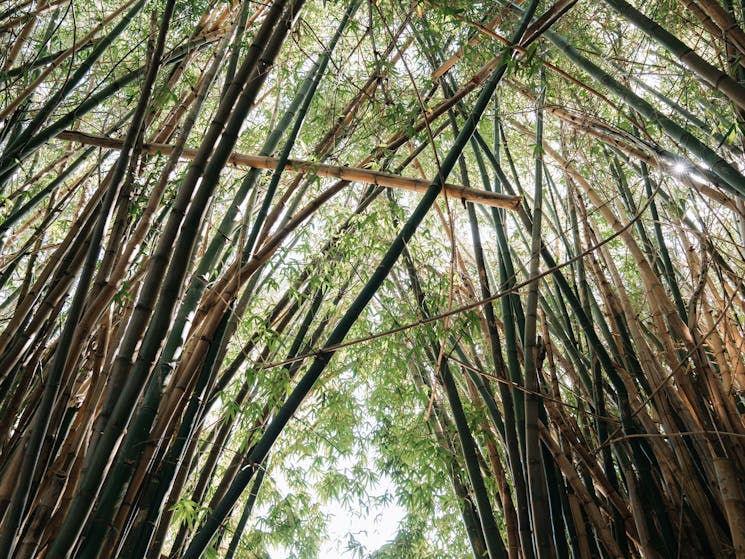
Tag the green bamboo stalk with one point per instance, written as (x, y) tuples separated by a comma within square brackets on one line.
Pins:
[(216, 445), (677, 107), (556, 497), (734, 181), (531, 348), (513, 320), (122, 412), (632, 209), (511, 307), (140, 427), (709, 73), (12, 521), (647, 469), (262, 447), (648, 474), (235, 46), (13, 127), (486, 530), (501, 184), (506, 394), (494, 544), (595, 388), (247, 509), (625, 354), (18, 149), (642, 454), (556, 491), (511, 163)]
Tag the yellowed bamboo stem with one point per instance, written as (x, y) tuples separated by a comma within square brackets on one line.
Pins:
[(450, 62), (24, 17), (734, 503), (730, 31), (355, 174), (21, 97)]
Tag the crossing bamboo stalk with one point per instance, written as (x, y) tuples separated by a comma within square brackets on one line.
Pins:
[(352, 174)]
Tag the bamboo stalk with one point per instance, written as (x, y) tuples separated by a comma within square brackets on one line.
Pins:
[(56, 63), (728, 27), (494, 543), (734, 503), (730, 175), (709, 73), (304, 386), (352, 174), (231, 113), (532, 349)]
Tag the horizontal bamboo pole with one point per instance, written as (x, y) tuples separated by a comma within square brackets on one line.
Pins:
[(355, 174)]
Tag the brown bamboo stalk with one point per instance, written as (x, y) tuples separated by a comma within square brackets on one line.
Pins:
[(208, 31), (351, 174), (39, 9), (58, 475), (735, 344), (10, 107), (19, 42), (579, 523), (450, 62), (639, 514), (728, 27), (734, 503), (716, 343)]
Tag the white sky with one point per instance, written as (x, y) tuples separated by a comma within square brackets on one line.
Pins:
[(371, 529)]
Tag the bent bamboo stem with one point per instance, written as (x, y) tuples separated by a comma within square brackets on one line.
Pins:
[(367, 176)]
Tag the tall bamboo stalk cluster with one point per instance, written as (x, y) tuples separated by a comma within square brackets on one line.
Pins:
[(221, 307)]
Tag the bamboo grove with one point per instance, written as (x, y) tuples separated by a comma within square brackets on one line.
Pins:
[(258, 257)]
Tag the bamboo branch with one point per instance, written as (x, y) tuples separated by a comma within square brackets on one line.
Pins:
[(367, 176)]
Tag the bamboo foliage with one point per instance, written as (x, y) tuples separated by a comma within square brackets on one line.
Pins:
[(213, 327)]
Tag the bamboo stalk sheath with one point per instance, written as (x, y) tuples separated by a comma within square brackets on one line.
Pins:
[(367, 176)]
